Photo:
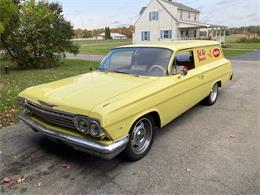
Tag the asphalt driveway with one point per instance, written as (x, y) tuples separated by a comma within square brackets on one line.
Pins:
[(208, 150)]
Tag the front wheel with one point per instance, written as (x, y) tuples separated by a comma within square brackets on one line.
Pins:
[(213, 96), (141, 139)]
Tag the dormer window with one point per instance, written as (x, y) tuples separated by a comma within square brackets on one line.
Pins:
[(181, 14), (153, 16)]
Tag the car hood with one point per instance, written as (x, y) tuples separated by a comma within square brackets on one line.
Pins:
[(82, 93)]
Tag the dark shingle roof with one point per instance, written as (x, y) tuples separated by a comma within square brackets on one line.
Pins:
[(142, 10), (180, 6)]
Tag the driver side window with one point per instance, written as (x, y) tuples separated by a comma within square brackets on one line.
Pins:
[(183, 61)]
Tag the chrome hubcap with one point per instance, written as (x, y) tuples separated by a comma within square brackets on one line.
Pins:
[(141, 136), (214, 93)]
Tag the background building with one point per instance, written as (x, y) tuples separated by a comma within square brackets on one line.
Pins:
[(164, 20)]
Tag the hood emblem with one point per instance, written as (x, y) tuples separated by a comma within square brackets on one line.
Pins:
[(47, 104)]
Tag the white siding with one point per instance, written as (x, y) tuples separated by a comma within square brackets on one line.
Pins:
[(185, 15), (165, 22), (168, 15)]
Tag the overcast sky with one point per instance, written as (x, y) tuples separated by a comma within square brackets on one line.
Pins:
[(116, 13)]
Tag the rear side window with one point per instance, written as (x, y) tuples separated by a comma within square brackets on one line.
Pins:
[(183, 61)]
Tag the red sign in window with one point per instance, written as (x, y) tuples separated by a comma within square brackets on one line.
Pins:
[(201, 54), (216, 52)]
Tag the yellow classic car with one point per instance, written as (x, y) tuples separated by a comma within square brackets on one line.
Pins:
[(136, 89)]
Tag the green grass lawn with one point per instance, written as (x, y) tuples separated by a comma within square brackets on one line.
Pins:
[(236, 49), (16, 81), (100, 47), (233, 53), (244, 46), (234, 38)]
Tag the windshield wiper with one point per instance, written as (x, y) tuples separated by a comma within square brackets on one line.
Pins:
[(126, 73), (120, 72)]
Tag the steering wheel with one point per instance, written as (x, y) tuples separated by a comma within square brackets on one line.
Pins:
[(159, 67)]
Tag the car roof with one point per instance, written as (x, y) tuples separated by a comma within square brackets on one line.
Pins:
[(176, 45)]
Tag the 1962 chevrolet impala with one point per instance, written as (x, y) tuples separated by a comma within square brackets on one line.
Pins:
[(136, 89)]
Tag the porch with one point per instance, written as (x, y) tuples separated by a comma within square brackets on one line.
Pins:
[(195, 30)]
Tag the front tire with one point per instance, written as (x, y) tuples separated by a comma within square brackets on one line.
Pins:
[(213, 96), (141, 139)]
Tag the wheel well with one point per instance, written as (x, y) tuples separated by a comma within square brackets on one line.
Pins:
[(156, 117), (219, 84)]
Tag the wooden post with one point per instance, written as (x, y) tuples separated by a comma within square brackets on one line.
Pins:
[(224, 35), (6, 69)]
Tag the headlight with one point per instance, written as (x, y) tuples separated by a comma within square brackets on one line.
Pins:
[(95, 129), (88, 126), (82, 124)]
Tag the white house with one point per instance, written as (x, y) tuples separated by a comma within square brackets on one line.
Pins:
[(114, 36), (164, 20)]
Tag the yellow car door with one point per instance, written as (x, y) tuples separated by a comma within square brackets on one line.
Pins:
[(185, 87)]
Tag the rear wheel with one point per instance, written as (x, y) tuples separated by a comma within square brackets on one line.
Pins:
[(213, 96), (141, 139)]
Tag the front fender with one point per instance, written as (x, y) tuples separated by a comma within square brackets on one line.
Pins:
[(122, 127)]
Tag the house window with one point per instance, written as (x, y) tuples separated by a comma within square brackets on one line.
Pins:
[(195, 33), (187, 33), (166, 34), (181, 14), (181, 33), (188, 15), (153, 16), (146, 36), (195, 17)]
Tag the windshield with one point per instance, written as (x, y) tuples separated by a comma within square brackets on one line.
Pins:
[(137, 61)]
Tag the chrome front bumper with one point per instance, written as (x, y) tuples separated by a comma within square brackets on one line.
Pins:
[(90, 147)]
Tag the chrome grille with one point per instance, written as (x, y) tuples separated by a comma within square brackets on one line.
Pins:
[(51, 116)]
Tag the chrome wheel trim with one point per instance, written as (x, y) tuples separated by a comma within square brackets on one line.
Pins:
[(141, 136), (214, 93)]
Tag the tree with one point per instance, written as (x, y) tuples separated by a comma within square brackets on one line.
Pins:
[(41, 36), (107, 33), (8, 18), (86, 34)]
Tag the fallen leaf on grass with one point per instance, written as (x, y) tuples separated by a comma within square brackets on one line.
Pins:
[(61, 193), (11, 181), (66, 166), (39, 184), (7, 180), (20, 179), (232, 136), (188, 170)]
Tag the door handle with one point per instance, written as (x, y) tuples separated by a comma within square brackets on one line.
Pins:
[(201, 76)]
